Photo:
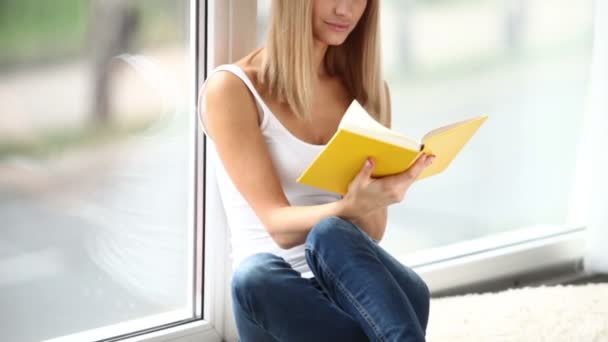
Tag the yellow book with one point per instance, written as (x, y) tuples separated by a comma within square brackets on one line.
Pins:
[(360, 136)]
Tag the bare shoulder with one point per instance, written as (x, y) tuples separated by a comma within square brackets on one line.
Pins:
[(228, 87), (223, 86), (228, 103)]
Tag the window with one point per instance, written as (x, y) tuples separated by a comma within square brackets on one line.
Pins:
[(505, 59), (97, 167), (513, 60)]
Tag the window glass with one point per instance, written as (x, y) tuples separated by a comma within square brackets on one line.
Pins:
[(96, 164)]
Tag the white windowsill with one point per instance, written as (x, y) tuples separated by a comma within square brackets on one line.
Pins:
[(497, 257), (199, 329)]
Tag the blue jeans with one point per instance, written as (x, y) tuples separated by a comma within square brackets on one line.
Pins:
[(359, 292)]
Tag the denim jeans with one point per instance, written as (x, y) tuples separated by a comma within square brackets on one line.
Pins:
[(359, 292)]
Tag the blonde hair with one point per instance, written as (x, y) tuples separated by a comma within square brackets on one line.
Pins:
[(287, 68)]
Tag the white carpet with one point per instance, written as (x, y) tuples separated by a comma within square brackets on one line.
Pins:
[(548, 314)]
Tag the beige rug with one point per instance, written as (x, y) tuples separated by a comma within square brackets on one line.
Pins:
[(548, 314)]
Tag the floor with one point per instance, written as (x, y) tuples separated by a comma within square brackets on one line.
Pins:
[(556, 313)]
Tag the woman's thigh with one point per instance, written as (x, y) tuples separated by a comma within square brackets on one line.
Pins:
[(273, 302)]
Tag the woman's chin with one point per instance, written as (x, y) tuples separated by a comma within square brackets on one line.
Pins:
[(333, 38), (334, 41)]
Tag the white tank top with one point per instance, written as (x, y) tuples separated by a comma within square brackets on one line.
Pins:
[(290, 157)]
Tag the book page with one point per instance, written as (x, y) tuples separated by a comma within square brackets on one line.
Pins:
[(357, 119)]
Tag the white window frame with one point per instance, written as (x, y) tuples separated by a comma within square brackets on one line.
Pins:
[(507, 258), (222, 31), (231, 34)]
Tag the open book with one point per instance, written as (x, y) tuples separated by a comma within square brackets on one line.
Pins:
[(360, 136)]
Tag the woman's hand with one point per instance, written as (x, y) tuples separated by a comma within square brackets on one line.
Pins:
[(366, 193)]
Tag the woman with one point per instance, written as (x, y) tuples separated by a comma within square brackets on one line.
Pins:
[(307, 263)]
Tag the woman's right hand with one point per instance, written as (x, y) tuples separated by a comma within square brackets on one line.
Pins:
[(366, 193)]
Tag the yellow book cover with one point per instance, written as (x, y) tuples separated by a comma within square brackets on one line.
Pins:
[(360, 136)]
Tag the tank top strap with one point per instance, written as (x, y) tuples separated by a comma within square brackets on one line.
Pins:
[(237, 71)]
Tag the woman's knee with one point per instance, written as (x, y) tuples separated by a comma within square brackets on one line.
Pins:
[(424, 292), (423, 299), (418, 285), (253, 277), (419, 289), (425, 289), (331, 229)]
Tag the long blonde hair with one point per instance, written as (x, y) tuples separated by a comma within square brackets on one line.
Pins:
[(287, 68)]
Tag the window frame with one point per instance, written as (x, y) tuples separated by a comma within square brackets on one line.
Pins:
[(206, 15), (224, 31)]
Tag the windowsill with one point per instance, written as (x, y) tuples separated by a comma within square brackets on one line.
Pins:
[(158, 325), (499, 256)]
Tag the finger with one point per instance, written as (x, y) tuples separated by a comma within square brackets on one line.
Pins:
[(424, 164), (421, 163), (366, 171)]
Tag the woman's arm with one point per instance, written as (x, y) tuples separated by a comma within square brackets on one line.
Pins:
[(232, 122), (374, 223)]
